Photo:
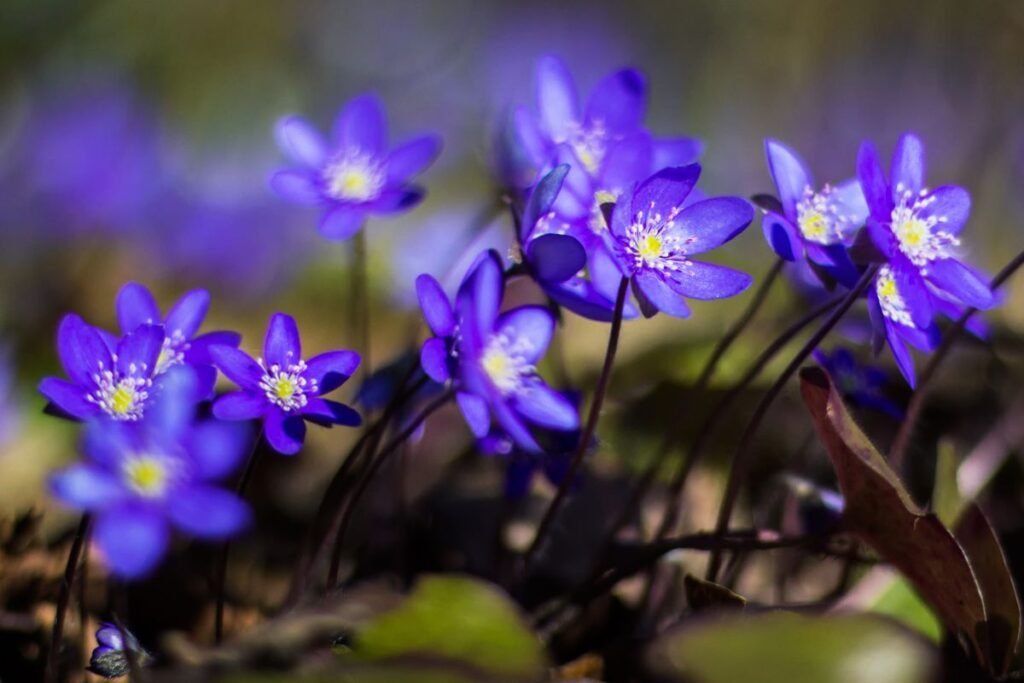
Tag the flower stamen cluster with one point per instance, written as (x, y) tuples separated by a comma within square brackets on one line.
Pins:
[(287, 387), (894, 306), (121, 397), (149, 475), (821, 219), (172, 352), (652, 244), (353, 176), (915, 230), (505, 362)]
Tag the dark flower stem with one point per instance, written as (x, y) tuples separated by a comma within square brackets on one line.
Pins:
[(588, 431), (119, 594), (361, 301), (898, 451), (52, 674), (739, 462), (225, 549), (375, 464)]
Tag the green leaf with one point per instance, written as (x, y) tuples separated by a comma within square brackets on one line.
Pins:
[(946, 499), (455, 619), (782, 647), (898, 600)]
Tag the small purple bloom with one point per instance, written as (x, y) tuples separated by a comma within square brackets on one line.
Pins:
[(356, 174), (108, 658), (862, 385), (116, 382), (136, 307), (490, 358), (818, 224), (654, 234), (142, 478), (282, 389)]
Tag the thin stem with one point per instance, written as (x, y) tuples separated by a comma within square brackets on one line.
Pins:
[(225, 549), (361, 301), (52, 673), (588, 431), (83, 606), (902, 441), (371, 470), (119, 594), (739, 461)]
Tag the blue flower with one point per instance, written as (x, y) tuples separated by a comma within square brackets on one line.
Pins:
[(282, 389), (862, 385), (142, 478), (492, 359), (654, 234), (109, 658), (356, 174)]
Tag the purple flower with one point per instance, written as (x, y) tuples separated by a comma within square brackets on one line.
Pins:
[(136, 307), (654, 235), (114, 383), (142, 478), (490, 358), (818, 224), (862, 385), (108, 658), (282, 389), (354, 175)]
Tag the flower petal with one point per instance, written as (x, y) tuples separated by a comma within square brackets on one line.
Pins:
[(475, 410), (240, 405), (141, 349), (395, 200), (655, 295), (237, 366), (618, 101), (325, 411), (914, 292), (557, 100), (510, 422), (907, 170), (528, 329), (362, 125), (712, 222), (700, 280), (627, 161), (300, 141), (285, 433), (198, 352), (961, 282), (789, 173), (555, 258), (331, 369), (187, 315), (412, 157), (282, 345), (676, 151), (342, 221), (873, 183), (132, 538), (208, 512), (136, 306), (781, 236), (479, 297), (664, 190), (437, 310), (542, 405), (950, 203), (434, 359), (86, 487), (218, 448), (81, 350), (904, 360), (69, 398), (542, 196), (297, 187)]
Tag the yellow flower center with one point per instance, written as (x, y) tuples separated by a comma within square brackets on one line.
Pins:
[(284, 388), (650, 247), (354, 177), (122, 400), (146, 475), (814, 226)]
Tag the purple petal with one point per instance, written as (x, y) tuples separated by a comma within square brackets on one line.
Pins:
[(542, 405), (411, 158), (618, 102), (437, 310), (475, 410), (331, 369), (907, 164), (904, 360), (510, 422), (781, 236), (198, 352), (342, 221), (81, 350), (664, 190), (712, 222), (69, 398), (362, 125), (961, 282), (629, 160), (331, 412), (557, 99), (571, 203), (654, 295), (676, 152), (528, 329), (106, 443), (132, 539), (301, 142), (136, 306), (873, 183), (298, 187), (86, 487), (950, 203), (434, 360), (141, 349), (479, 297), (555, 258), (240, 405), (285, 433), (282, 346), (218, 448), (238, 366), (187, 315), (848, 197), (789, 173), (530, 137), (542, 196), (208, 512), (699, 280), (914, 292), (395, 200)]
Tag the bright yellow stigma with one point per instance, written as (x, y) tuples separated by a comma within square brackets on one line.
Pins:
[(353, 183), (284, 388), (887, 288), (912, 231), (122, 400), (146, 475), (649, 248), (499, 367), (814, 226)]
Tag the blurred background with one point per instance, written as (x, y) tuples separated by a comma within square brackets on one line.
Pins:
[(136, 141)]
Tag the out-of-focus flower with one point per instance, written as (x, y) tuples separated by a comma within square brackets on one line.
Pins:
[(818, 224), (114, 383), (862, 385), (109, 658), (653, 237), (136, 307), (282, 389), (356, 174), (142, 478), (491, 358), (9, 412)]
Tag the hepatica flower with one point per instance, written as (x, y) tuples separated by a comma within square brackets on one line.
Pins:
[(491, 359), (103, 382), (654, 237), (109, 658), (862, 385), (355, 174), (917, 232), (818, 223), (136, 307), (140, 479), (282, 389)]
